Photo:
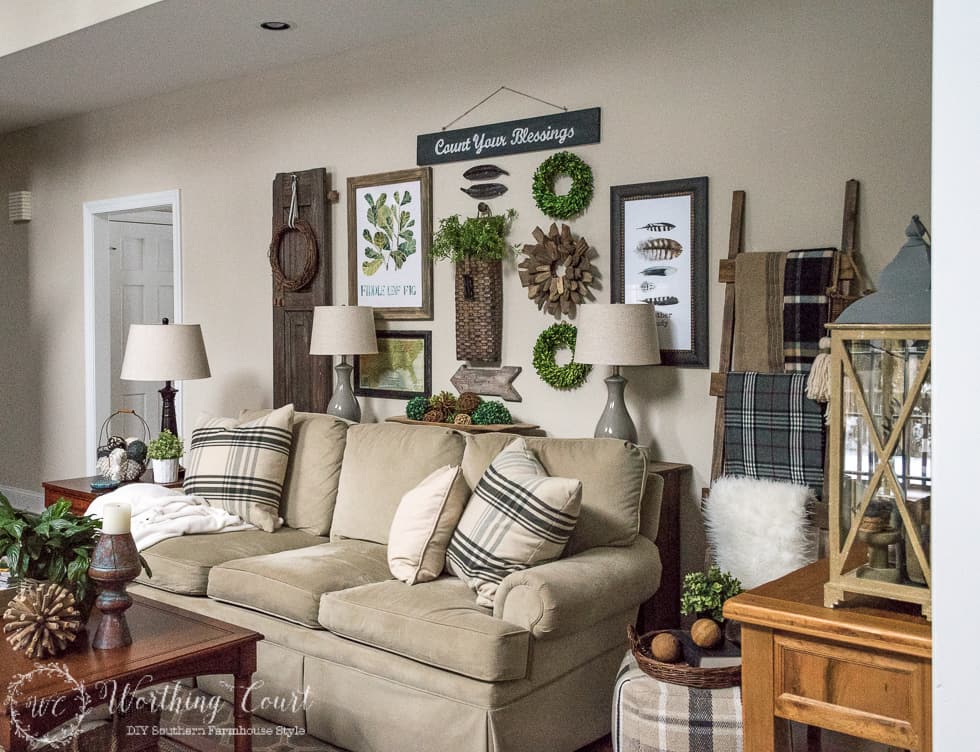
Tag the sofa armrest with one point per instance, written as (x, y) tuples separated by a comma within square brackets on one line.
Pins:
[(565, 596)]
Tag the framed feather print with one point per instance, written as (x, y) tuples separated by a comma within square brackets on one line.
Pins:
[(660, 256)]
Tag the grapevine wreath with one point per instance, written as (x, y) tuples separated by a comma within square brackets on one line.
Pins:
[(578, 197), (569, 376)]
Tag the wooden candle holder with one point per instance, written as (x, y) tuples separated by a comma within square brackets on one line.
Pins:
[(115, 562)]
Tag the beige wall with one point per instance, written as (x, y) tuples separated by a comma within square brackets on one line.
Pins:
[(785, 100)]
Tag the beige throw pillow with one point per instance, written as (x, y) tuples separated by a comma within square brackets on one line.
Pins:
[(517, 517), (424, 523), (240, 467)]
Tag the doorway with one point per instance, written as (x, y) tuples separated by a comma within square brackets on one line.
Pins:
[(132, 276)]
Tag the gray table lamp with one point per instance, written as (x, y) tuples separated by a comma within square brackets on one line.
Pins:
[(617, 334), (165, 352), (343, 330)]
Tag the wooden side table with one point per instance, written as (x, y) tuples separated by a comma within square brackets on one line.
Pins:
[(858, 669), (663, 610), (79, 490)]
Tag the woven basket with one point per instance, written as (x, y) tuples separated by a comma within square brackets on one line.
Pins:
[(679, 673), (479, 310)]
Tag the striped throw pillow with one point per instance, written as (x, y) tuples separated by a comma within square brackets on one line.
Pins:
[(518, 516), (240, 467)]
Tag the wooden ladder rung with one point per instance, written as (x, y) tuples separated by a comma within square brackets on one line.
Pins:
[(718, 383)]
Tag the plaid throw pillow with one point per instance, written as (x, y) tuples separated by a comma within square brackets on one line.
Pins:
[(240, 467), (518, 516)]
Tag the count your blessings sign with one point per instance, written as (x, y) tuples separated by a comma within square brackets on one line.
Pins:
[(513, 137)]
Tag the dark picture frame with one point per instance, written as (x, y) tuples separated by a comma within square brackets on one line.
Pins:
[(659, 249), (384, 375), (380, 229)]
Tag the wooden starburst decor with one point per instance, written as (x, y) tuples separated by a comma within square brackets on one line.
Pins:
[(40, 621), (557, 270)]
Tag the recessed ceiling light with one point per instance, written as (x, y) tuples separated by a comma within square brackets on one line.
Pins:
[(275, 25)]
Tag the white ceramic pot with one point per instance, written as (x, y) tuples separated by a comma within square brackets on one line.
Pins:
[(164, 471)]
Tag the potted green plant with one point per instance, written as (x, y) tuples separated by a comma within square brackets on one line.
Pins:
[(164, 451), (55, 545), (704, 593), (476, 246)]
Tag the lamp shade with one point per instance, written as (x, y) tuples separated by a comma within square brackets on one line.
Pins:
[(165, 352), (617, 334), (343, 330)]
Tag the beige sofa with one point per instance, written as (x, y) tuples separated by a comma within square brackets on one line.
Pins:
[(366, 662)]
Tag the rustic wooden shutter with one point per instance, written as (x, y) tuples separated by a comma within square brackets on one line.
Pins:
[(298, 377)]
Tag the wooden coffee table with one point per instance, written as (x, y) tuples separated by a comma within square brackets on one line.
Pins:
[(168, 644)]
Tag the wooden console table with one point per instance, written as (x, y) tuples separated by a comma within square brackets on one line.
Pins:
[(858, 669)]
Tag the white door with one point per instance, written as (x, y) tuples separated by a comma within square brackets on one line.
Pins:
[(142, 292)]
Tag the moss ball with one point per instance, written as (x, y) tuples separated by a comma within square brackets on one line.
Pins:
[(666, 648), (706, 633), (417, 407), (491, 414)]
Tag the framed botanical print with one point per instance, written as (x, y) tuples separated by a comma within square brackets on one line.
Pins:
[(660, 256), (402, 368), (389, 228)]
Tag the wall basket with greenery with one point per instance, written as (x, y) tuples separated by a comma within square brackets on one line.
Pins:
[(476, 246)]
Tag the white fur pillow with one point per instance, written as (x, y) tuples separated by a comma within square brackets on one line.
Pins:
[(758, 529)]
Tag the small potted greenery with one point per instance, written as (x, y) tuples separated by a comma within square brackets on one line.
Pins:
[(476, 246), (164, 451), (704, 593), (55, 546)]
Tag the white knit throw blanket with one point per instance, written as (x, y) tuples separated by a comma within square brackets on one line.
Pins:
[(160, 513)]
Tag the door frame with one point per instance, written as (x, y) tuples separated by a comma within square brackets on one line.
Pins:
[(95, 224)]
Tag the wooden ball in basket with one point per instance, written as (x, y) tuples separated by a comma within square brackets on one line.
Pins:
[(706, 633), (666, 648)]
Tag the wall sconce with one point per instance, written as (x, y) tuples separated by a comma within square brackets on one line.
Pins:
[(19, 206)]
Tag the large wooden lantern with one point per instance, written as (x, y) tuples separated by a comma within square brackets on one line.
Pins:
[(880, 463)]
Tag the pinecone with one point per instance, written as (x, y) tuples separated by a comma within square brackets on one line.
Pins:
[(445, 401), (462, 419), (434, 416), (42, 620), (467, 402)]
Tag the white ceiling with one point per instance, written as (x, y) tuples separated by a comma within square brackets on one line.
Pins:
[(178, 43)]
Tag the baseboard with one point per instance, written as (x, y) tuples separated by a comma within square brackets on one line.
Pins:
[(31, 501)]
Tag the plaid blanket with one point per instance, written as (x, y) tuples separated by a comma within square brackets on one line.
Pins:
[(805, 305), (652, 716), (772, 430)]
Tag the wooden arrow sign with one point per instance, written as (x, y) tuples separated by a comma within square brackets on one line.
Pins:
[(492, 382)]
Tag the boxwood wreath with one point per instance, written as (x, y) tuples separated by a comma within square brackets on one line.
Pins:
[(556, 337), (579, 195)]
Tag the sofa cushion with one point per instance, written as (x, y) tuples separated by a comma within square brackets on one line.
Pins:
[(240, 467), (518, 516), (382, 462), (436, 623), (424, 523), (613, 475), (289, 584), (309, 490), (182, 564)]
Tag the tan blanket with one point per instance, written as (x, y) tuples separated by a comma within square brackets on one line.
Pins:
[(758, 341)]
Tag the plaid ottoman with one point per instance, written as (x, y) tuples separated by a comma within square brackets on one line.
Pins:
[(653, 716)]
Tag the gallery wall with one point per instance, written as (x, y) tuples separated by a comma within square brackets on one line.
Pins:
[(784, 100)]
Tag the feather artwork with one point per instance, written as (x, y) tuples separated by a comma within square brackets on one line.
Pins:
[(42, 620), (658, 227), (659, 271), (659, 249), (647, 286), (485, 190), (484, 172), (663, 300)]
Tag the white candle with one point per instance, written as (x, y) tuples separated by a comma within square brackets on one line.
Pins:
[(116, 518)]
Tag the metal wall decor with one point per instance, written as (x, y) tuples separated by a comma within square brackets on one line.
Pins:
[(660, 255)]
